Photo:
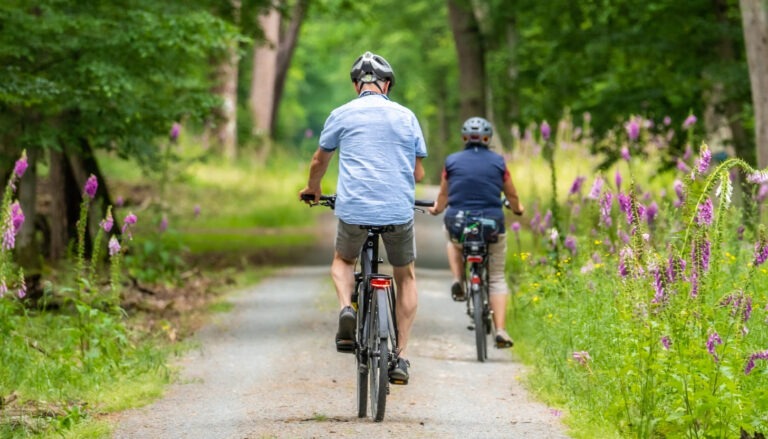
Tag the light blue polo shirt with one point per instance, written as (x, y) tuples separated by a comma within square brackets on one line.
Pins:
[(378, 142)]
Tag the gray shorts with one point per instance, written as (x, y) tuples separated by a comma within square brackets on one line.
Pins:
[(399, 243)]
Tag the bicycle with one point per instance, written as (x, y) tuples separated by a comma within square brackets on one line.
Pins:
[(475, 256), (374, 300)]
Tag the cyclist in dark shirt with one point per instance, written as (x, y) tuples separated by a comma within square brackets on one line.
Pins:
[(471, 184)]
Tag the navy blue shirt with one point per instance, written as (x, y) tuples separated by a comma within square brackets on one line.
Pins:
[(476, 179)]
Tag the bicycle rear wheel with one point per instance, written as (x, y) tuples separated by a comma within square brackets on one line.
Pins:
[(361, 356), (378, 371), (481, 340)]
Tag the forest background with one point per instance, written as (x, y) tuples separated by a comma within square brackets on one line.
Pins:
[(110, 89)]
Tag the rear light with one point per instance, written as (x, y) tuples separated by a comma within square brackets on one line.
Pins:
[(475, 280), (381, 282), (474, 259)]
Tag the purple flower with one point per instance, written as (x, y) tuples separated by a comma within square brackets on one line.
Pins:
[(667, 120), (12, 225), (91, 185), (740, 232), (758, 177), (515, 226), (762, 193), (119, 201), (651, 211), (570, 243), (705, 156), (606, 202), (164, 224), (546, 131), (197, 210), (633, 130), (704, 217), (129, 220), (625, 153), (3, 288), (581, 357), (679, 191), (689, 122), (624, 255), (618, 180), (107, 222), (175, 130), (751, 363), (22, 291), (21, 165), (17, 217), (666, 342), (114, 246), (712, 342), (576, 185), (761, 252), (658, 285), (597, 186), (682, 167)]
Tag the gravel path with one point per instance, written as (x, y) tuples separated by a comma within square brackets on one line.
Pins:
[(269, 369)]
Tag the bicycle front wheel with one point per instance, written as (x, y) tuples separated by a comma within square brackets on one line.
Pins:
[(481, 339), (378, 360)]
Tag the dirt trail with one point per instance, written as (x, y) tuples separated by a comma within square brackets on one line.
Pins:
[(269, 369)]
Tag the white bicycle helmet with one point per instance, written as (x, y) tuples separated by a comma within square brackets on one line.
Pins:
[(477, 130), (370, 67)]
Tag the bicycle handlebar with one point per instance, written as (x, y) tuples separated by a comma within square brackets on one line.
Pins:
[(330, 201)]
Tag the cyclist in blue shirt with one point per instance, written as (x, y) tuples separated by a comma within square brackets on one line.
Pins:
[(381, 147), (472, 182)]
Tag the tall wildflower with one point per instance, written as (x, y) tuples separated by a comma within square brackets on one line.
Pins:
[(763, 355), (576, 185), (546, 131), (712, 342), (689, 122), (705, 156), (605, 209), (705, 213), (597, 186)]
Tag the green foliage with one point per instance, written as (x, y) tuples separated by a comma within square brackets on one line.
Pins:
[(114, 75), (655, 324)]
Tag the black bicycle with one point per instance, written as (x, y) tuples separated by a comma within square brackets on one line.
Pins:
[(475, 255), (374, 299)]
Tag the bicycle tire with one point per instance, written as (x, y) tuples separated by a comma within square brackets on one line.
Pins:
[(481, 339), (361, 358), (379, 356)]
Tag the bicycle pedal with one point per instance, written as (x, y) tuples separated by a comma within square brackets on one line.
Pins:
[(397, 382)]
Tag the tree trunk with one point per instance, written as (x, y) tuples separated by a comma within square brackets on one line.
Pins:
[(264, 73), (754, 15), (469, 49), (57, 216), (287, 45), (225, 80)]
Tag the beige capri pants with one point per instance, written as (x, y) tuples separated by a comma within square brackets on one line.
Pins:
[(497, 258)]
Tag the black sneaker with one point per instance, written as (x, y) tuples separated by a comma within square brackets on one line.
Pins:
[(345, 337), (457, 292), (503, 340), (399, 373)]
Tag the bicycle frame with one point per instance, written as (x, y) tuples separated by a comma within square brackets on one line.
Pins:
[(475, 256)]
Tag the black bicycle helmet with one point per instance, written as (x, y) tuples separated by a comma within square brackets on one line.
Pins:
[(370, 67), (477, 130)]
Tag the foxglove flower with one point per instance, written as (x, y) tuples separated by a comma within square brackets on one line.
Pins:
[(761, 252), (21, 165), (597, 186), (605, 209), (175, 130), (682, 167), (658, 285), (633, 131), (91, 185), (22, 291), (515, 226), (618, 180), (625, 153), (624, 255), (546, 131), (576, 185), (667, 120), (751, 362), (570, 243), (666, 342), (581, 357), (107, 222), (114, 246), (762, 193), (712, 342), (651, 211), (129, 221), (553, 235), (704, 216), (689, 122), (705, 156), (758, 177)]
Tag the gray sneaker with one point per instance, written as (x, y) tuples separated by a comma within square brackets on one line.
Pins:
[(345, 337), (399, 373)]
